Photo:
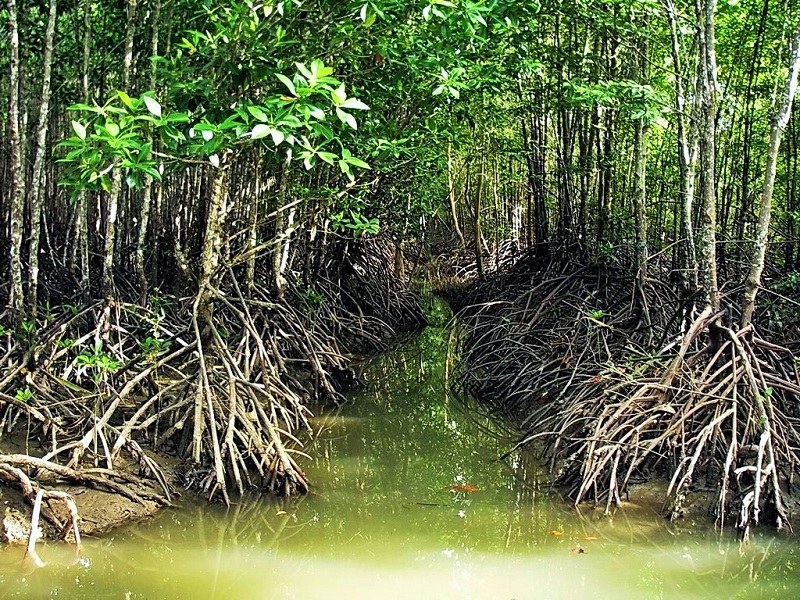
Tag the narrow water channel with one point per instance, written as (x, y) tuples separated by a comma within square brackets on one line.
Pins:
[(409, 501)]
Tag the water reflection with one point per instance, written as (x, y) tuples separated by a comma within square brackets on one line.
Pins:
[(409, 501)]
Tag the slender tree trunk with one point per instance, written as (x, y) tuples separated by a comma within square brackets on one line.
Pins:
[(477, 231), (779, 123), (451, 196), (144, 215), (112, 207), (282, 233), (38, 182), (211, 250), (687, 157), (640, 189), (16, 299), (80, 252), (252, 232), (708, 98), (743, 172), (640, 200)]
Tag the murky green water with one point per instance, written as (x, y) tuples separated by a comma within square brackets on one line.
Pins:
[(387, 520)]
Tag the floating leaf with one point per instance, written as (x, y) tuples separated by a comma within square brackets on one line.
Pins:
[(463, 487)]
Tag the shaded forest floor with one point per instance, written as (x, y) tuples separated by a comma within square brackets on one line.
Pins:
[(613, 386)]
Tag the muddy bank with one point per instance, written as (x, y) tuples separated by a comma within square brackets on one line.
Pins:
[(100, 512)]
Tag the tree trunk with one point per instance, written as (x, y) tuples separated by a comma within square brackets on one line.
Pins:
[(640, 189), (282, 234), (640, 201), (203, 310), (708, 98), (112, 208), (687, 160), (779, 123), (252, 231), (144, 215), (210, 254), (476, 229), (16, 298), (80, 247), (451, 196), (38, 183)]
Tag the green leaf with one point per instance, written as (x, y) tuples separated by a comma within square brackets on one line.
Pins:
[(306, 73), (355, 104), (94, 109), (287, 82), (112, 128), (258, 114), (277, 136), (152, 106), (317, 113), (338, 95), (177, 118), (260, 131), (328, 157), (80, 130), (346, 118), (126, 99), (357, 162), (290, 121)]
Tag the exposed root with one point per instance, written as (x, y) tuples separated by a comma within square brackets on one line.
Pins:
[(35, 495), (95, 386), (571, 360)]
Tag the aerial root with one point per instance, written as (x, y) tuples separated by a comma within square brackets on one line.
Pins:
[(712, 408)]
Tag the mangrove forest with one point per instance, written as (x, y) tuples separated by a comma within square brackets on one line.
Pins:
[(488, 268)]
